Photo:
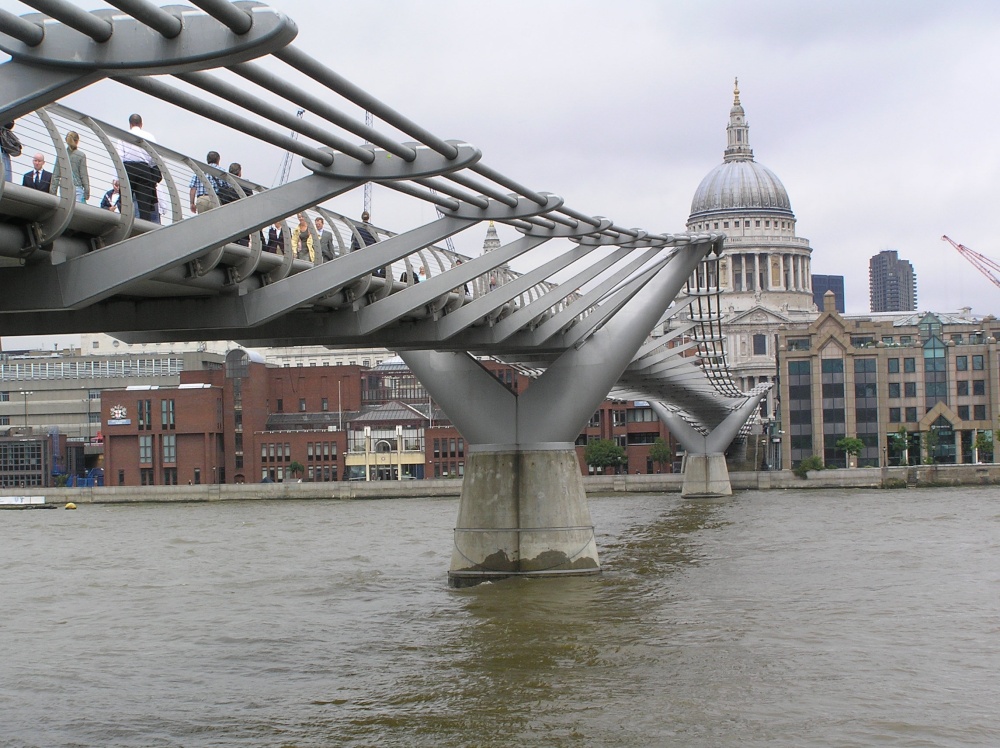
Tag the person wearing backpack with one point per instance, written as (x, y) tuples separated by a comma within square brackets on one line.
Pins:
[(202, 198), (228, 194), (142, 170)]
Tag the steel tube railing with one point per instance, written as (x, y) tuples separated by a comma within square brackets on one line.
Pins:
[(487, 190), (271, 82), (153, 16), (223, 116), (578, 215), (336, 82), (238, 20), (494, 176), (86, 23), (22, 30), (234, 95), (440, 185)]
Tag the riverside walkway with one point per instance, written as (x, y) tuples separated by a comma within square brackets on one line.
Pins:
[(917, 476)]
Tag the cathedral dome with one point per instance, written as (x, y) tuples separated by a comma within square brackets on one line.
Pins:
[(739, 186), (739, 183)]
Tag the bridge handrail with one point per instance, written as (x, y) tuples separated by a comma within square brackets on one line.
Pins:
[(31, 205)]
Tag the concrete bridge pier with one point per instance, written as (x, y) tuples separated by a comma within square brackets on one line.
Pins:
[(523, 512), (706, 474)]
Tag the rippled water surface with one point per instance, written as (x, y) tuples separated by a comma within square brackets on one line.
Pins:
[(820, 618)]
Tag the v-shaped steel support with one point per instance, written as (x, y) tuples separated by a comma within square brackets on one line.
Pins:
[(705, 470), (523, 508)]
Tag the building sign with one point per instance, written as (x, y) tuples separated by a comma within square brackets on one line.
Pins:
[(119, 416)]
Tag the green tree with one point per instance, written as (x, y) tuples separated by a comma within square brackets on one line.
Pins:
[(812, 462), (603, 453), (851, 446), (930, 441), (984, 446), (660, 453), (296, 469)]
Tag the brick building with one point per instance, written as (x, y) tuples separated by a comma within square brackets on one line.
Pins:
[(243, 423), (248, 422), (632, 425)]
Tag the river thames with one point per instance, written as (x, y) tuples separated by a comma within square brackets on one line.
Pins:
[(793, 618)]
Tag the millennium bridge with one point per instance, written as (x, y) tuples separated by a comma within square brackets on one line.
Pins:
[(172, 274)]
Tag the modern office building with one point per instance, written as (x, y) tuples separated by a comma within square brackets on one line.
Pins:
[(61, 390), (823, 283), (764, 272), (911, 387), (892, 284), (287, 356), (29, 459)]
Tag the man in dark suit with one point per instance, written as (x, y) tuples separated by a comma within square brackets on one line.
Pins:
[(38, 178), (325, 241)]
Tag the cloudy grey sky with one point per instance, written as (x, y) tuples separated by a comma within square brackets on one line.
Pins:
[(878, 117)]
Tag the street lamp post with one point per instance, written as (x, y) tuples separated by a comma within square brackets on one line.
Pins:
[(89, 428), (25, 394)]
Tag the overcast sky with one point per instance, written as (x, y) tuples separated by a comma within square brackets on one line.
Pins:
[(878, 117)]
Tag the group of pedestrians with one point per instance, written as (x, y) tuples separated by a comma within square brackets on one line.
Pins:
[(143, 172), (140, 167), (303, 245)]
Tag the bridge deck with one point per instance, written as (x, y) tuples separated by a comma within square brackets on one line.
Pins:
[(70, 267)]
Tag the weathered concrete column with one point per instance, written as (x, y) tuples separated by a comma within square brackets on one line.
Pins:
[(522, 512), (705, 476)]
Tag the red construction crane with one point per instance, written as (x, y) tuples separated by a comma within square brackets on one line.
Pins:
[(986, 266)]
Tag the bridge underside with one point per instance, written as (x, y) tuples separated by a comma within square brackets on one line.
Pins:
[(241, 271)]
